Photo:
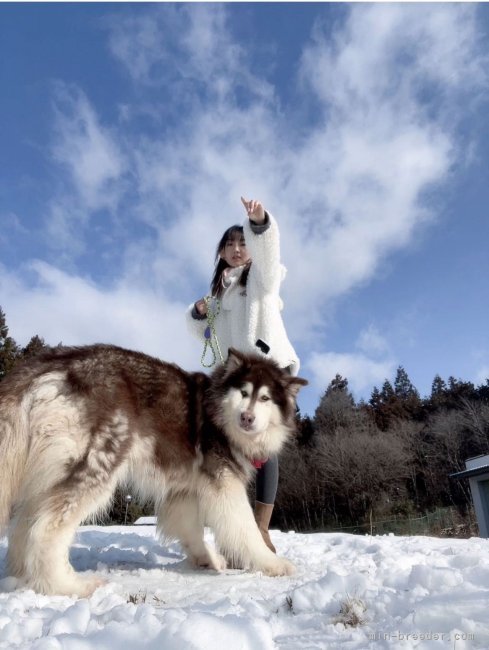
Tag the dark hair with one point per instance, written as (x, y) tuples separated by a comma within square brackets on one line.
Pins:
[(221, 265)]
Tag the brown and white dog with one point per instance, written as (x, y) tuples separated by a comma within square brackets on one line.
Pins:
[(76, 422)]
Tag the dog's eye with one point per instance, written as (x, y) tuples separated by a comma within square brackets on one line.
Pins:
[(244, 393), (264, 398)]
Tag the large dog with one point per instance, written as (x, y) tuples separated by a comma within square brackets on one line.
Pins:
[(76, 422)]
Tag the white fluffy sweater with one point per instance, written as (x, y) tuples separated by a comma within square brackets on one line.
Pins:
[(253, 312)]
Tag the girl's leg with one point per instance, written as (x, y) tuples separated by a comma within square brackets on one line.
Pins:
[(267, 481), (266, 491)]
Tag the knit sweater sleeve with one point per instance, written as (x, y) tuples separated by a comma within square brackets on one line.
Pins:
[(263, 243), (196, 323)]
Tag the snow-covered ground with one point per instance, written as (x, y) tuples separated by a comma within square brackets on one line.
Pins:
[(403, 592)]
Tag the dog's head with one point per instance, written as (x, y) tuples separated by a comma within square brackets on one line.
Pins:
[(256, 401)]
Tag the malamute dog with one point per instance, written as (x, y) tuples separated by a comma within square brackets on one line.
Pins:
[(75, 422)]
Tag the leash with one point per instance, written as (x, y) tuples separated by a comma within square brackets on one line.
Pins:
[(210, 335)]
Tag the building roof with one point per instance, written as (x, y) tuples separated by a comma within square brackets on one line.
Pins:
[(474, 471)]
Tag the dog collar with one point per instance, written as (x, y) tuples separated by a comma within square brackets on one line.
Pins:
[(259, 463)]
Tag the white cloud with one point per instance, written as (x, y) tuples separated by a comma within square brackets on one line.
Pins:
[(350, 191), (371, 342), (369, 367), (386, 53), (347, 188), (92, 159), (362, 372), (181, 45), (73, 310), (87, 149), (11, 223), (482, 375)]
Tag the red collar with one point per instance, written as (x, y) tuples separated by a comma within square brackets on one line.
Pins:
[(259, 463)]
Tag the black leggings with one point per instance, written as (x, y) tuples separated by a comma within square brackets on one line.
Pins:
[(267, 477), (267, 481)]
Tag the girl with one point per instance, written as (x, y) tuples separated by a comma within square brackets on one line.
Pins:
[(246, 308)]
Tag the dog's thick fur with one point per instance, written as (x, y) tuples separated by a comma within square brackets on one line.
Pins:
[(75, 422)]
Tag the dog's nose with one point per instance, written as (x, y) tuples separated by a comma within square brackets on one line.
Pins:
[(247, 418)]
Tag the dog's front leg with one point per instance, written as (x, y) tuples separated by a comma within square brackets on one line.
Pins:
[(179, 518), (226, 509)]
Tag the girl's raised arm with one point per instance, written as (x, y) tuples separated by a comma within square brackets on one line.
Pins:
[(254, 210), (263, 245)]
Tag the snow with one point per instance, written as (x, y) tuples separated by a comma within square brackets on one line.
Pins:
[(350, 592), (145, 521)]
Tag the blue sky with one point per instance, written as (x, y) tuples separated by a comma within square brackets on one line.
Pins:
[(129, 132)]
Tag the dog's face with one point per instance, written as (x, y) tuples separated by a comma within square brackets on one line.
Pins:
[(257, 396), (250, 407)]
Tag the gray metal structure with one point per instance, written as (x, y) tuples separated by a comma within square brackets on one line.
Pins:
[(477, 471)]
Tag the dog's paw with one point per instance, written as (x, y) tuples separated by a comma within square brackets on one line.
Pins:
[(209, 560), (72, 586), (219, 561), (85, 587), (280, 567)]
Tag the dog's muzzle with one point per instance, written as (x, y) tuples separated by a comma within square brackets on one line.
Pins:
[(247, 420)]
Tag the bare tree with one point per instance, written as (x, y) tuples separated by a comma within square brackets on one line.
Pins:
[(366, 470), (443, 454), (475, 419)]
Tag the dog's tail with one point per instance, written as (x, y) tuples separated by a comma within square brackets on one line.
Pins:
[(14, 446)]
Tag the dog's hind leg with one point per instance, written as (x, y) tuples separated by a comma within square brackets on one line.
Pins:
[(40, 538), (56, 497), (179, 518)]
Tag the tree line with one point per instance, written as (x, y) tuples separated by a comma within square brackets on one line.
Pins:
[(349, 462), (390, 456)]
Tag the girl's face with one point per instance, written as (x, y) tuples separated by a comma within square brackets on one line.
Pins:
[(234, 251)]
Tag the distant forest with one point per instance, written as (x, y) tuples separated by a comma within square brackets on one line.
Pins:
[(351, 462)]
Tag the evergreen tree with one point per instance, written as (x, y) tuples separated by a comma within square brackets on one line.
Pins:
[(403, 387), (387, 392), (438, 387), (398, 402), (305, 430), (339, 383), (459, 390), (438, 397), (9, 350), (381, 403), (335, 408), (35, 345), (375, 398), (483, 392)]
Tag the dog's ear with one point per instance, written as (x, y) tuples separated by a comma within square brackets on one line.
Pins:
[(294, 384), (235, 359)]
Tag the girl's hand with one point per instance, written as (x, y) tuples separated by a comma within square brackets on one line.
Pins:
[(201, 307), (254, 210)]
